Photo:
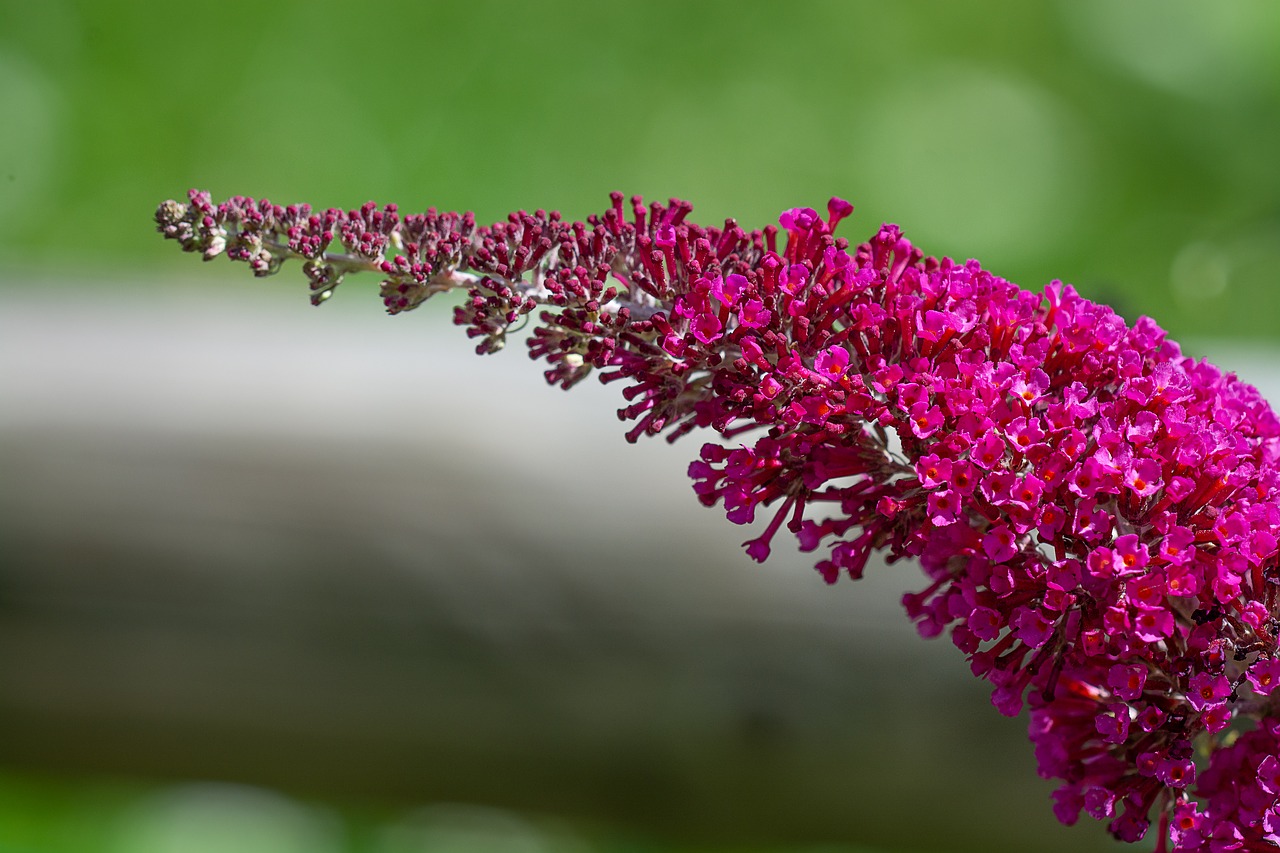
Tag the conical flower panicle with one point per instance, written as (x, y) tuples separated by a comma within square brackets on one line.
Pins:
[(1095, 513)]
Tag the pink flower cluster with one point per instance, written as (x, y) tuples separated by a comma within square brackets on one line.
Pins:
[(1096, 514)]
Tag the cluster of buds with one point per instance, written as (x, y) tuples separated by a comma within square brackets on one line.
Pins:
[(1096, 513)]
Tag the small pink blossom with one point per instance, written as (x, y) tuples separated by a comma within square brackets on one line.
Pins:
[(831, 363), (1176, 773), (1127, 680), (1264, 675), (1114, 726), (989, 451), (798, 218), (1206, 690), (999, 544), (730, 288), (1176, 546), (1143, 477), (706, 328), (1269, 774), (933, 471), (1131, 553), (1153, 625), (985, 623), (925, 420), (944, 508), (1032, 627)]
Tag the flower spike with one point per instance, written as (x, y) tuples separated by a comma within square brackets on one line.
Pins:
[(1097, 515)]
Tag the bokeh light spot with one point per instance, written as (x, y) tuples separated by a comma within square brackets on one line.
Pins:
[(473, 829), (28, 140), (978, 163), (1200, 272), (1211, 51), (223, 818)]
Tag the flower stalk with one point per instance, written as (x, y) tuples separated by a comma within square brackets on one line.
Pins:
[(1095, 513)]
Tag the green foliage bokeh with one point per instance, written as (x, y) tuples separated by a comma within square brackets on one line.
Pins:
[(1128, 148)]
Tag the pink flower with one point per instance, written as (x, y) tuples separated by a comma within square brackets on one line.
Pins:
[(1175, 547), (1176, 773), (1269, 774), (925, 420), (1114, 726), (1143, 477), (706, 328), (730, 288), (985, 623), (798, 219), (1131, 554), (1264, 675), (1030, 387), (1147, 591), (999, 544), (1151, 626), (933, 471), (1025, 433), (753, 315), (1063, 575), (831, 363), (1032, 627), (989, 451), (1206, 690), (944, 508), (1127, 680)]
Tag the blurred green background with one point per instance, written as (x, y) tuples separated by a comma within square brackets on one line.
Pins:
[(1127, 147)]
